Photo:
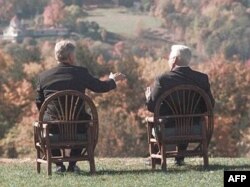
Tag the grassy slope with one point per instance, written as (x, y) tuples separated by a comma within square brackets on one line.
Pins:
[(123, 172), (120, 21)]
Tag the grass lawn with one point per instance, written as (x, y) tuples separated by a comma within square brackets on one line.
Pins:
[(121, 172), (118, 20)]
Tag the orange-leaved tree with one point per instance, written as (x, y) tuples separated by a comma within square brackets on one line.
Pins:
[(230, 84), (53, 13)]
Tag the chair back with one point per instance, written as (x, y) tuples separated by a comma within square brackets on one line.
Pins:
[(180, 108), (67, 110)]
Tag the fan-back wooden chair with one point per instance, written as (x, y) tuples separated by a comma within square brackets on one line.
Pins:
[(69, 105), (183, 102)]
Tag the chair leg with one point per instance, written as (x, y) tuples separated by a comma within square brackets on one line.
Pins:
[(206, 162), (49, 168), (205, 157), (38, 164), (164, 165), (38, 167), (92, 165), (205, 154), (153, 163), (49, 172), (151, 151), (91, 159), (163, 159)]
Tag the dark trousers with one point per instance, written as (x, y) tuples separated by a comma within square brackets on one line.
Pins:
[(181, 147), (74, 152)]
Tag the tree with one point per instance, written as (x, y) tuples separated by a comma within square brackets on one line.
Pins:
[(53, 13), (28, 8), (6, 10), (72, 14)]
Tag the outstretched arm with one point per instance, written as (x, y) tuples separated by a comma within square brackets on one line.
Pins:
[(99, 86)]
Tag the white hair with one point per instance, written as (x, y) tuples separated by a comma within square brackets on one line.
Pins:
[(63, 49), (182, 52)]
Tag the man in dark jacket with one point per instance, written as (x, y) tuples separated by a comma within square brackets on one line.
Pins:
[(180, 73), (67, 76)]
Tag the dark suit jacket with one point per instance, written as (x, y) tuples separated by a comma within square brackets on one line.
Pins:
[(70, 77), (178, 76)]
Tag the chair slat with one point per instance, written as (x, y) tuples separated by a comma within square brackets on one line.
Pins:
[(71, 108)]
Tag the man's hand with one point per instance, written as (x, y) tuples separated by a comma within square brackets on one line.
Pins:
[(117, 76), (148, 93)]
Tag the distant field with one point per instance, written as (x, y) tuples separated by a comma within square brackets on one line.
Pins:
[(121, 21)]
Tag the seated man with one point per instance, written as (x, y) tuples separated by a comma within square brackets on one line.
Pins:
[(67, 76), (180, 73)]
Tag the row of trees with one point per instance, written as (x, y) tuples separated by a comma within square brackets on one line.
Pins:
[(122, 112), (210, 26), (32, 8), (216, 29)]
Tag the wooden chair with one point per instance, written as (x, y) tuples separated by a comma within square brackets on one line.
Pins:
[(69, 105), (178, 127)]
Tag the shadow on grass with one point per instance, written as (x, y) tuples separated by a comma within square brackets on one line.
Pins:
[(176, 169), (124, 172), (214, 167), (120, 172)]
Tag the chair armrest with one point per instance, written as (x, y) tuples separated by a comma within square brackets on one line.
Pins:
[(150, 120), (40, 131), (45, 125), (150, 125), (36, 124)]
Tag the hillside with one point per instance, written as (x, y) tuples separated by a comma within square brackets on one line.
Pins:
[(133, 37), (122, 21)]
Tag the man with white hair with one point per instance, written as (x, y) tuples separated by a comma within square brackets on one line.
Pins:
[(180, 73), (67, 76)]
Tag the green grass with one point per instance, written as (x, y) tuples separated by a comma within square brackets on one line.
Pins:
[(120, 21), (122, 172)]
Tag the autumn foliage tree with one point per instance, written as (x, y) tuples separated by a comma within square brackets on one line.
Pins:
[(230, 82), (15, 105), (6, 10), (210, 26), (218, 30), (53, 13), (122, 111)]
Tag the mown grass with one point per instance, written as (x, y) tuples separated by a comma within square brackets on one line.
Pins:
[(122, 172), (121, 21)]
